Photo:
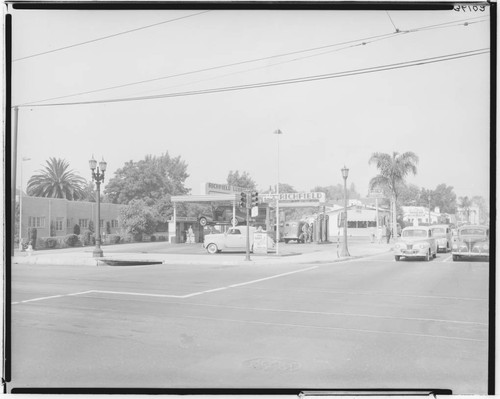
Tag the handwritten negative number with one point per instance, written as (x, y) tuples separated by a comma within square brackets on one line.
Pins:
[(469, 8)]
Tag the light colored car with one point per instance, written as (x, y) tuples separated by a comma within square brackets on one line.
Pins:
[(443, 236), (235, 239), (472, 242), (416, 242)]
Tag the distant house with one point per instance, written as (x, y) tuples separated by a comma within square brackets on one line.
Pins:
[(40, 212)]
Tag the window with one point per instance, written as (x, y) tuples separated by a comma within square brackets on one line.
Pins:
[(351, 224), (372, 223), (362, 224), (84, 223), (59, 224), (38, 222), (114, 223)]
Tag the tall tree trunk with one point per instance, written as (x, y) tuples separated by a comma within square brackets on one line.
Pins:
[(394, 219)]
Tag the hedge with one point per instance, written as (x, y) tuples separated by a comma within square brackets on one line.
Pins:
[(71, 240)]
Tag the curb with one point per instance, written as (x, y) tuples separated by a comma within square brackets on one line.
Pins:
[(117, 262)]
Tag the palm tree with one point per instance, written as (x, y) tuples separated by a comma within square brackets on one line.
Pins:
[(392, 173), (56, 181)]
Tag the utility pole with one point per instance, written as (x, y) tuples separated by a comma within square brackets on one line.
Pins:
[(248, 205)]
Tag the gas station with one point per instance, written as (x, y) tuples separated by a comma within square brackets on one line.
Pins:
[(228, 196)]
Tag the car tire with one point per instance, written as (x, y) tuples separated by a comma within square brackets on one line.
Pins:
[(212, 248), (286, 241), (435, 255), (397, 258), (203, 221), (456, 258), (428, 256)]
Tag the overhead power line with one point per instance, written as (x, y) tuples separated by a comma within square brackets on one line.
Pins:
[(109, 36), (361, 41), (334, 75)]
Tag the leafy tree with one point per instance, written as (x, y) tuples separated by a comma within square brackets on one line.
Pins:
[(393, 169), (244, 180), (150, 180), (445, 198), (137, 218), (287, 188), (55, 180), (409, 195)]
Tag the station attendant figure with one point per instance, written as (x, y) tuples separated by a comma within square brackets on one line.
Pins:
[(190, 235)]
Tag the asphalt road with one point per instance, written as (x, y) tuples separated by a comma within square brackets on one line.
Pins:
[(365, 323)]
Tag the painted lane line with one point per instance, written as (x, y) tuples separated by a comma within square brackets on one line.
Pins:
[(447, 259), (271, 277), (50, 297), (336, 314), (139, 294), (211, 290), (336, 328)]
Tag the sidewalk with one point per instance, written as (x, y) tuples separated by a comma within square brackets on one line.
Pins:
[(289, 254)]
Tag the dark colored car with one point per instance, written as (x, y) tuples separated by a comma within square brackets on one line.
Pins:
[(472, 241)]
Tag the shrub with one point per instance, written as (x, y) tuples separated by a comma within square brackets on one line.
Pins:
[(60, 242), (51, 242), (76, 229), (137, 237), (88, 238), (71, 240), (40, 243), (125, 238), (114, 238), (153, 238)]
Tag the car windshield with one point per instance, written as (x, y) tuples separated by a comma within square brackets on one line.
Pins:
[(439, 230), (415, 233), (473, 232)]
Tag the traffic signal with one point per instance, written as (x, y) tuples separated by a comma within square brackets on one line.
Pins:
[(255, 198), (243, 200)]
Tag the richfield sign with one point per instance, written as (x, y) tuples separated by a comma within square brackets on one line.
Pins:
[(214, 188), (302, 197)]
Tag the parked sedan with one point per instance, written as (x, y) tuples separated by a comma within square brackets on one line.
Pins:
[(416, 242), (472, 242), (443, 236), (235, 239)]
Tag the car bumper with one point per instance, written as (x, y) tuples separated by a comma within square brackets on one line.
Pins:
[(409, 253), (471, 254)]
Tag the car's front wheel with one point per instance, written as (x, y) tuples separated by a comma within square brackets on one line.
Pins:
[(397, 258), (428, 256), (212, 248), (455, 258)]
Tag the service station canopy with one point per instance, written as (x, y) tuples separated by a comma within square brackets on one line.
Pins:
[(285, 199)]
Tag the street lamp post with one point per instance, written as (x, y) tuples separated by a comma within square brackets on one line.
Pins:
[(345, 252), (21, 202), (98, 177), (278, 132)]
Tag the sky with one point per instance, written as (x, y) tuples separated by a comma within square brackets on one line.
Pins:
[(438, 110)]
